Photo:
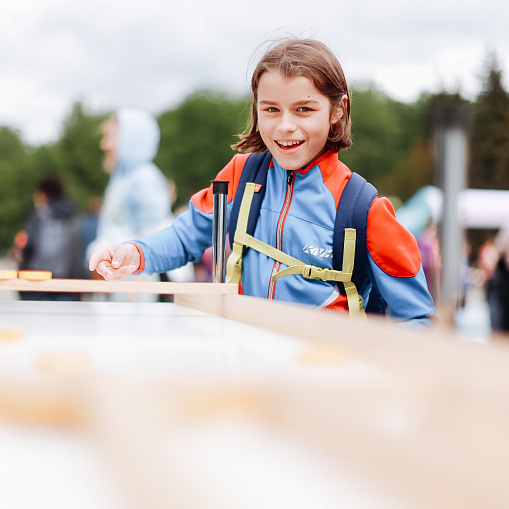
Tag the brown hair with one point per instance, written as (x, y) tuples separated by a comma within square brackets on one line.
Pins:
[(315, 61)]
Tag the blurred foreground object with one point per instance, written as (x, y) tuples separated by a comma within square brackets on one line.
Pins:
[(103, 410)]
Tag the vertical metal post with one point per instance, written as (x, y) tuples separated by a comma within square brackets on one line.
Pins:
[(220, 192), (451, 141)]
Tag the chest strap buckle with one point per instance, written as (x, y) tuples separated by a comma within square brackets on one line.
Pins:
[(312, 272)]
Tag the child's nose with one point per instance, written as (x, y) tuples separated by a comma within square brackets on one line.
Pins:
[(287, 122)]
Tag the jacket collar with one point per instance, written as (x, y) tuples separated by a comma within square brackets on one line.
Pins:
[(329, 164)]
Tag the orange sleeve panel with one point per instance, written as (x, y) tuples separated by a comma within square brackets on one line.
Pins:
[(340, 304), (204, 199), (142, 257), (335, 177), (391, 246)]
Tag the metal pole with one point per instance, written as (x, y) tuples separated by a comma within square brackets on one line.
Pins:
[(220, 192), (451, 141)]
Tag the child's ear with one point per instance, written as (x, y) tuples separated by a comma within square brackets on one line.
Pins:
[(336, 115), (340, 110)]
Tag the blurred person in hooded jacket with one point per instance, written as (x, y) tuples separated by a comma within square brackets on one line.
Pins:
[(137, 199)]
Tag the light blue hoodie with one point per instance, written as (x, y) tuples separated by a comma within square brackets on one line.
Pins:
[(137, 198)]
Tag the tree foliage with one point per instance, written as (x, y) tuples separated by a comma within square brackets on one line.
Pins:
[(79, 156), (489, 163), (385, 133), (196, 138), (75, 158), (489, 168), (15, 189), (392, 147)]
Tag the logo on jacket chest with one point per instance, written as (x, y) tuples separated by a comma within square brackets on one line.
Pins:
[(317, 251)]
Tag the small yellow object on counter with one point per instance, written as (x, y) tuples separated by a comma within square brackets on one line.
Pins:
[(35, 275), (8, 274)]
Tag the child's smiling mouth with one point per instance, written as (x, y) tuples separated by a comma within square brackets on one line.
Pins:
[(289, 144)]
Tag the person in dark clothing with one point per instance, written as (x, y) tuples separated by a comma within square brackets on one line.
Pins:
[(497, 288), (51, 238)]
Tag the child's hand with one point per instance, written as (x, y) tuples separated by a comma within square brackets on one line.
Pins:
[(115, 262)]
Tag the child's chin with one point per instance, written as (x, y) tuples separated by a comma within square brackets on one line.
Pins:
[(286, 163)]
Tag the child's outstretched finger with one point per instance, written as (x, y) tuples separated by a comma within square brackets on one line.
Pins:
[(98, 256)]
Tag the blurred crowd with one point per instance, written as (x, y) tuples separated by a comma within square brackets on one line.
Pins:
[(490, 272)]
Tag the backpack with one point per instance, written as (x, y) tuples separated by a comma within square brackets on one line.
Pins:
[(352, 212), (53, 244)]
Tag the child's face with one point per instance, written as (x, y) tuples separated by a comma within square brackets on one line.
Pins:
[(109, 143), (294, 119)]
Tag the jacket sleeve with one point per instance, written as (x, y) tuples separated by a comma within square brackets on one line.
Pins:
[(394, 265), (191, 232)]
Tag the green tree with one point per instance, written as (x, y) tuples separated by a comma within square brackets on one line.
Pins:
[(413, 172), (196, 138), (78, 156), (489, 161), (489, 168), (16, 188), (384, 132)]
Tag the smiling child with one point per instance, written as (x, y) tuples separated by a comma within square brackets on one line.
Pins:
[(301, 116)]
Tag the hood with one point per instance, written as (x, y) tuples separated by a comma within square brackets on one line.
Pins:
[(61, 208), (138, 137)]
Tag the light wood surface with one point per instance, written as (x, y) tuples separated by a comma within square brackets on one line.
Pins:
[(413, 419), (97, 286), (433, 356)]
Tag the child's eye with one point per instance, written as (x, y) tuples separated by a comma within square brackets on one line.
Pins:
[(304, 109), (272, 109)]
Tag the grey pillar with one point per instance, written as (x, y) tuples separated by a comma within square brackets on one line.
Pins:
[(451, 144)]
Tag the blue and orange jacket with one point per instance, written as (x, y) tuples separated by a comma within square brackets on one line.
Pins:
[(297, 216)]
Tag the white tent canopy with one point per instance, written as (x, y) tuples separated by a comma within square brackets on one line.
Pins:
[(477, 208)]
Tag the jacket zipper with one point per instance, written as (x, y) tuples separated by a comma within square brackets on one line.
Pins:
[(290, 174)]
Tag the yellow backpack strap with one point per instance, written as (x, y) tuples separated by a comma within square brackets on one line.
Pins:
[(234, 262), (355, 301), (242, 238), (294, 266)]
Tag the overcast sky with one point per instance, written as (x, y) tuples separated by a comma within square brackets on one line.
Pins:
[(152, 53)]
